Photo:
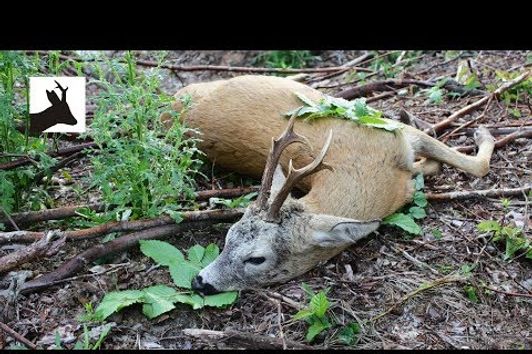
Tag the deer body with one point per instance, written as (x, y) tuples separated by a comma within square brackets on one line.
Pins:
[(371, 177)]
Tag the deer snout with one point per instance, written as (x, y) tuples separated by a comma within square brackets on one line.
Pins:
[(203, 288)]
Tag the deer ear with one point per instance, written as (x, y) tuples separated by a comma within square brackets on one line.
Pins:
[(52, 97), (277, 182), (332, 231)]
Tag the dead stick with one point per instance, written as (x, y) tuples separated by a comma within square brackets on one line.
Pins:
[(120, 226), (527, 134), (37, 249), (475, 105), (488, 193), (62, 213), (243, 68), (17, 336), (120, 244), (244, 340), (507, 293), (62, 152)]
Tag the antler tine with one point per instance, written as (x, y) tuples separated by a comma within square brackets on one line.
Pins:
[(278, 145), (63, 91), (295, 175)]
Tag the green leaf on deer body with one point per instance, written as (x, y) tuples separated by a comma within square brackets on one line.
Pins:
[(161, 252), (403, 221), (115, 301)]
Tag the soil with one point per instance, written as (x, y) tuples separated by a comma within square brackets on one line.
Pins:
[(364, 281)]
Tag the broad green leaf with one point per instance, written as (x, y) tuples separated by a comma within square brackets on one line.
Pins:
[(305, 99), (220, 300), (471, 293), (417, 212), (161, 252), (403, 221), (183, 272), (315, 329), (513, 244), (420, 199), (302, 314), (158, 299), (175, 215), (488, 226), (419, 182), (379, 123), (115, 301), (211, 252), (195, 254), (319, 304)]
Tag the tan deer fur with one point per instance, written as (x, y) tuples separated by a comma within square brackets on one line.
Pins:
[(373, 168)]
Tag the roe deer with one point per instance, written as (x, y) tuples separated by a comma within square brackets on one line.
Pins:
[(58, 112), (367, 176)]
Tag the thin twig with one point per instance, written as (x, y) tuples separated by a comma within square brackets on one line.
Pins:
[(507, 293), (17, 336), (492, 193), (475, 105)]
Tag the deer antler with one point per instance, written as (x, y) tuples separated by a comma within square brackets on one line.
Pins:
[(278, 145), (294, 176), (63, 91)]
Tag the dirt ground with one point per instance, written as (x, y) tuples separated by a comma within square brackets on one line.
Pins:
[(363, 281)]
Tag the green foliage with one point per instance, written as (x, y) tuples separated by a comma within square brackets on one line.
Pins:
[(315, 314), (140, 165), (388, 64), (513, 237), (17, 186), (471, 293), (406, 219), (435, 95), (512, 95), (349, 334), (240, 202), (284, 59), (357, 111), (159, 299)]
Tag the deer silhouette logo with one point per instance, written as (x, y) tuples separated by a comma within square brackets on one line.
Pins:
[(58, 112)]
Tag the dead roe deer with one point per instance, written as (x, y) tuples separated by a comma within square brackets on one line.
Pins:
[(366, 174)]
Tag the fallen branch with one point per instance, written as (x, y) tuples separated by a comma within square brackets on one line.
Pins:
[(488, 193), (526, 134), (20, 338), (386, 85), (121, 244), (66, 212), (121, 226), (62, 152), (43, 246), (243, 340), (507, 292), (475, 105), (242, 68)]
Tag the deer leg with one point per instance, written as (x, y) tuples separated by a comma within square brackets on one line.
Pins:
[(428, 167), (431, 148)]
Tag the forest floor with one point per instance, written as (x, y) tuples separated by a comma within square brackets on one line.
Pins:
[(371, 278)]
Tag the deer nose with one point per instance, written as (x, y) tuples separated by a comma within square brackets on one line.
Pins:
[(203, 288)]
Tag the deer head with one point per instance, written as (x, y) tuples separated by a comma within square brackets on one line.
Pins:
[(277, 239), (58, 112)]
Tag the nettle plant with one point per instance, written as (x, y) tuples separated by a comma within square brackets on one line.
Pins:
[(140, 166), (159, 299)]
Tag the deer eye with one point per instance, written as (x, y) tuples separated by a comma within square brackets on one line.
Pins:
[(255, 260)]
